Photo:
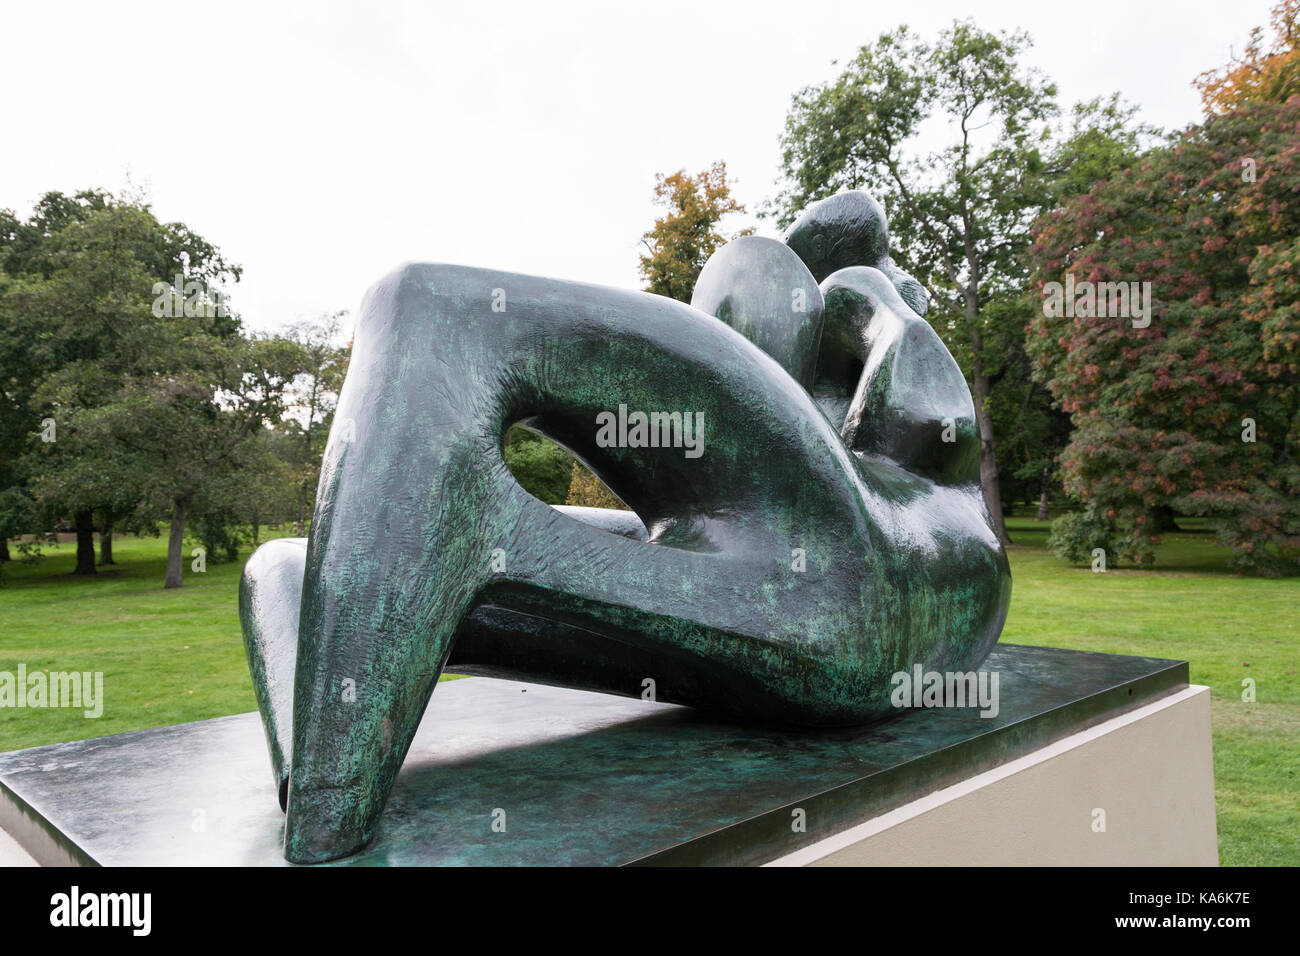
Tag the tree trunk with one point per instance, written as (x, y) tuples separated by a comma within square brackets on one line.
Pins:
[(85, 525), (980, 389), (106, 544), (988, 449), (176, 545), (989, 471), (1162, 519), (302, 509), (4, 550), (1044, 498)]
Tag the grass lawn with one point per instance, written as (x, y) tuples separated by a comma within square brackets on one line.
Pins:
[(174, 656)]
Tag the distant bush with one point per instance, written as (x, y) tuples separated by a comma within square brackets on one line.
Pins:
[(220, 533), (540, 466), (587, 490), (1076, 534)]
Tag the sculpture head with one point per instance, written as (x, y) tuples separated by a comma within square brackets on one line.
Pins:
[(848, 229)]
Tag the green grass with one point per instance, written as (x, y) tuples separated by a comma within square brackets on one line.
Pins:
[(167, 656), (174, 656)]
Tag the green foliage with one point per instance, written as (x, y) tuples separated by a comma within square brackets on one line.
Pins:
[(268, 490), (547, 471), (220, 534), (1029, 429), (684, 238), (74, 285), (1104, 138), (1163, 415), (1076, 534), (156, 394), (539, 465), (588, 491)]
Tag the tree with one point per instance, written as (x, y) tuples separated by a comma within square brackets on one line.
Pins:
[(539, 465), (682, 240), (959, 215), (1259, 75), (268, 490), (1196, 411), (1103, 137), (27, 252), (76, 304), (192, 421), (1030, 430), (16, 515), (588, 491), (314, 396)]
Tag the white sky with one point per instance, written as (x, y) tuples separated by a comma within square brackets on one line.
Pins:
[(320, 145)]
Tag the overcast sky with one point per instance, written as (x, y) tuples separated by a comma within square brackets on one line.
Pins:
[(321, 144)]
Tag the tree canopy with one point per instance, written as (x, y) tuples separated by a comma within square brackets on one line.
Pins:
[(1259, 75), (682, 239), (1197, 412), (132, 393)]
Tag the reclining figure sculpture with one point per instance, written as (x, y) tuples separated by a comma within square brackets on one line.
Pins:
[(825, 531)]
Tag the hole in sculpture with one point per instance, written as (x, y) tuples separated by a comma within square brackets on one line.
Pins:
[(549, 472)]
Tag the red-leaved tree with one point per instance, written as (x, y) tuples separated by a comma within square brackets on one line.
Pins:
[(1197, 411)]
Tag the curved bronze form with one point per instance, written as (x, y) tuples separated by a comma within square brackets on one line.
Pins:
[(812, 526)]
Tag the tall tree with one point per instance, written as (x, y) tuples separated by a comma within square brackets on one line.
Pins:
[(150, 389), (960, 213), (313, 398), (192, 421), (682, 239), (28, 252), (1102, 137), (79, 301), (960, 210), (267, 493)]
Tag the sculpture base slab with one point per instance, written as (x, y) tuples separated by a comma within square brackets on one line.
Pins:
[(503, 772)]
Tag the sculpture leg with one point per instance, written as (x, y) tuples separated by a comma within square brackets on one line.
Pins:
[(270, 596), (383, 595)]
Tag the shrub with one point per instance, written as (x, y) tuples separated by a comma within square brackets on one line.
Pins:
[(1076, 534)]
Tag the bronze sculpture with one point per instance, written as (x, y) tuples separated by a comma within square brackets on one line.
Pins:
[(829, 533)]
